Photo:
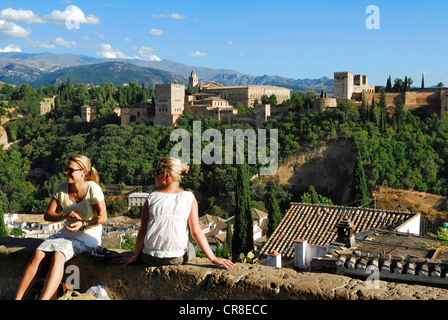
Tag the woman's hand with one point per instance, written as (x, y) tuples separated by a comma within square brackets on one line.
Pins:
[(129, 260), (226, 263), (75, 226), (74, 215)]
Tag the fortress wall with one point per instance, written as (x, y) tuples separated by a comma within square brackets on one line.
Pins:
[(412, 99)]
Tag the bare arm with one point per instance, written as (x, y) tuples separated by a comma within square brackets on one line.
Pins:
[(201, 240), (52, 215), (141, 234)]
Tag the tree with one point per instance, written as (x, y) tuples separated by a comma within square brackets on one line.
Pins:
[(3, 229), (398, 85), (242, 239), (383, 115), (373, 112), (271, 203), (389, 85), (265, 99), (423, 80), (229, 236), (313, 197), (273, 100), (359, 192), (400, 115)]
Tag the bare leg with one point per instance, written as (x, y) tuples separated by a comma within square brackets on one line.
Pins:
[(54, 275), (33, 269)]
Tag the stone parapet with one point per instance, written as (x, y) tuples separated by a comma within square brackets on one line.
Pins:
[(200, 280)]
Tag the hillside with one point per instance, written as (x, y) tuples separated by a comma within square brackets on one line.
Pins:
[(118, 73), (42, 65), (429, 205), (17, 74)]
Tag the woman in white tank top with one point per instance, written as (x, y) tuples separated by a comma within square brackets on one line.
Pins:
[(166, 215)]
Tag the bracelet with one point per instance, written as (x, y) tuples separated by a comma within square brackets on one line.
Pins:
[(85, 224)]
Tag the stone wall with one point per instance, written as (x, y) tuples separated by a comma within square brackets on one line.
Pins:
[(199, 280)]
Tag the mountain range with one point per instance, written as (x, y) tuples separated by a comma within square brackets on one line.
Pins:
[(38, 69)]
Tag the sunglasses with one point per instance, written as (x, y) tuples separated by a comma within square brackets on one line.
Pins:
[(157, 172), (71, 170)]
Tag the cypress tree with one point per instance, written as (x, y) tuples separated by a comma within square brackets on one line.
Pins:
[(274, 214), (242, 239), (400, 114), (228, 243), (423, 80), (3, 230), (383, 106), (389, 85), (359, 192), (373, 115)]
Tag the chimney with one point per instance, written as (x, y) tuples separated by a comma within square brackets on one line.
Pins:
[(346, 237)]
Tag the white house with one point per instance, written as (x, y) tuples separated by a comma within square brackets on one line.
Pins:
[(137, 199)]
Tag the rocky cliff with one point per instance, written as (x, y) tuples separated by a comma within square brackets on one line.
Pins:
[(199, 280), (3, 136)]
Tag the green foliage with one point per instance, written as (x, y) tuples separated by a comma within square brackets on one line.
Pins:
[(359, 191), (242, 240), (17, 232), (404, 149), (313, 197), (442, 235), (273, 209), (222, 250), (3, 228), (249, 258), (128, 243)]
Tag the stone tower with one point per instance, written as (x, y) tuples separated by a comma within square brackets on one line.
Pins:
[(343, 85), (194, 80), (169, 103)]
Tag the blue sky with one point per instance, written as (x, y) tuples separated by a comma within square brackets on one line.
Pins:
[(290, 38)]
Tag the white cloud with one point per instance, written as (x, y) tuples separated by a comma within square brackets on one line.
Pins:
[(24, 16), (99, 35), (39, 44), (63, 43), (148, 53), (71, 14), (50, 44), (155, 32), (11, 48), (105, 50), (230, 42), (175, 16), (128, 40), (198, 54), (10, 30)]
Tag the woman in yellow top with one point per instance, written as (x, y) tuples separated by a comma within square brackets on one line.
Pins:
[(82, 202)]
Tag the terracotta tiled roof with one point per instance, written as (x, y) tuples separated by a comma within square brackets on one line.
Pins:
[(317, 225)]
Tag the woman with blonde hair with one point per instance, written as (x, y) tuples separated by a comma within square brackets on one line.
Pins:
[(166, 215), (81, 201)]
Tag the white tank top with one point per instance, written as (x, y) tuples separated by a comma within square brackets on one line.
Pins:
[(167, 232)]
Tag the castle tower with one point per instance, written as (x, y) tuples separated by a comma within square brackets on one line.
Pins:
[(169, 103), (193, 80), (343, 85)]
